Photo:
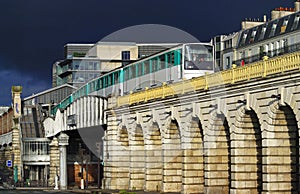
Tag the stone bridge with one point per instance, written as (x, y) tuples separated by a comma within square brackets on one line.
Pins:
[(234, 131)]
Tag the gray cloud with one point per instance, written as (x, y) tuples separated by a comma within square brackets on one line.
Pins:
[(33, 32)]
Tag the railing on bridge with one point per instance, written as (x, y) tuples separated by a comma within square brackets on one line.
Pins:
[(236, 74)]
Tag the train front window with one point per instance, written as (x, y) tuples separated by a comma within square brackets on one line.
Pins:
[(198, 57)]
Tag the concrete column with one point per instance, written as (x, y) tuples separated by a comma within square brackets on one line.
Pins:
[(246, 155), (153, 160), (116, 158), (63, 142), (172, 159), (137, 159), (16, 146), (193, 162), (280, 151), (54, 161), (16, 133), (216, 158)]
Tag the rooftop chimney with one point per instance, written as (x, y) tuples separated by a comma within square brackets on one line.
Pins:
[(297, 5)]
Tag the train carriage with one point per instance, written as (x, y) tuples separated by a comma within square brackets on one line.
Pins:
[(184, 61)]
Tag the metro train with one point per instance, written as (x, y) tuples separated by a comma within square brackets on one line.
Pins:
[(183, 61)]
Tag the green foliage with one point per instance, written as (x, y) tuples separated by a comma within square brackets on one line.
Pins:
[(126, 192)]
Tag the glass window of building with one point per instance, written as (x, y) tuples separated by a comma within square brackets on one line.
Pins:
[(90, 65), (273, 29), (125, 55), (296, 22), (253, 35), (244, 37), (284, 25), (227, 62), (262, 34), (96, 66), (140, 69)]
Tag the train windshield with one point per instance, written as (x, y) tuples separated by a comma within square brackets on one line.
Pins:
[(198, 57)]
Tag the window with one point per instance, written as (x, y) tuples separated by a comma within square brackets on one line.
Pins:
[(242, 55), (105, 81), (116, 77), (227, 62), (96, 66), (266, 48), (296, 22), (161, 62), (125, 55), (272, 49), (101, 83), (170, 59), (126, 74), (273, 29), (132, 71), (154, 65), (90, 65), (262, 34), (244, 37), (110, 79), (140, 69), (146, 67), (97, 84), (253, 35), (284, 25)]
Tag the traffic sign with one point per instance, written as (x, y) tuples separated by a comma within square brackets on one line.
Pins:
[(8, 163)]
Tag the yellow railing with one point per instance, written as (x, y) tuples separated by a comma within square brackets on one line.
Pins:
[(236, 74)]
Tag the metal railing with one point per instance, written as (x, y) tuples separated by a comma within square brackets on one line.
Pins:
[(255, 70)]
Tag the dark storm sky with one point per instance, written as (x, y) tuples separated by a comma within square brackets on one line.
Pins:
[(33, 32)]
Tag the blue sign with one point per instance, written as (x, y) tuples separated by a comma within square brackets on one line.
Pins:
[(8, 163)]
